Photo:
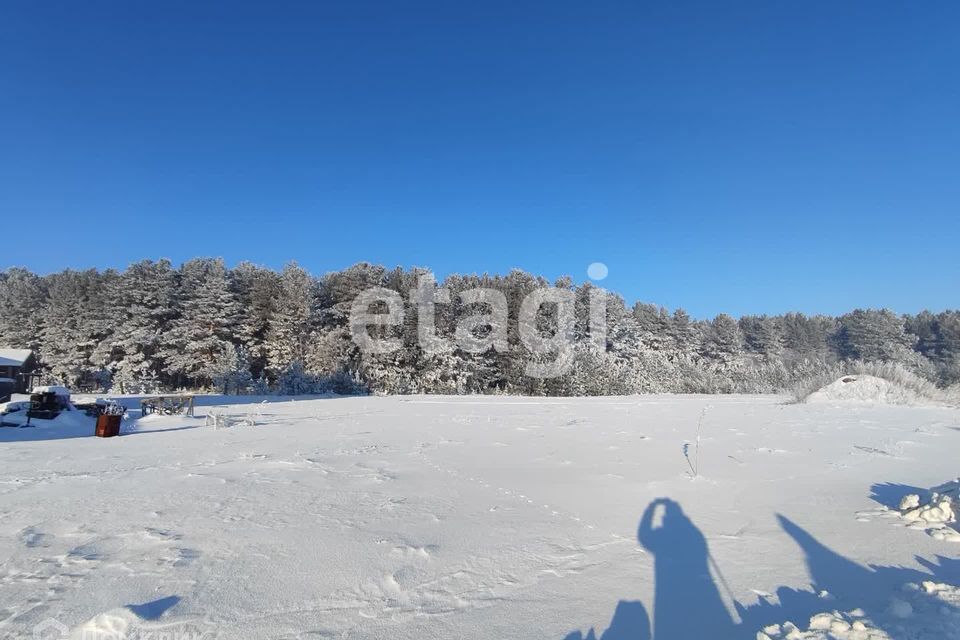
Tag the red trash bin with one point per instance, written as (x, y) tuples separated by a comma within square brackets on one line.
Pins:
[(108, 426)]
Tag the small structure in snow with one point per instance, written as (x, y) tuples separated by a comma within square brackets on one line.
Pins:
[(46, 403), (55, 389), (16, 366), (167, 405)]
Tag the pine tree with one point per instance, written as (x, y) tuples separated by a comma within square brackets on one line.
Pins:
[(808, 338), (289, 331), (723, 341), (684, 334), (257, 291), (762, 335), (295, 381), (142, 303), (230, 371), (201, 335), (654, 326), (22, 296), (67, 334), (874, 336), (153, 327), (948, 346)]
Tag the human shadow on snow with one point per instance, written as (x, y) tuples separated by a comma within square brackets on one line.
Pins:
[(687, 602)]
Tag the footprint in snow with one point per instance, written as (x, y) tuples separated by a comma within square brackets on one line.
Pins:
[(31, 538), (873, 450)]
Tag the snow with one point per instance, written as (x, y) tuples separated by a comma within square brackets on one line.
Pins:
[(13, 406), (14, 357), (867, 389), (934, 511), (57, 390), (70, 423), (939, 510), (930, 610), (478, 517)]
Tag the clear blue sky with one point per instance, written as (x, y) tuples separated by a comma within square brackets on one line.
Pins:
[(742, 157)]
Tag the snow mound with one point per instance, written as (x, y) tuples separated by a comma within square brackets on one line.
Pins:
[(929, 610), (71, 423), (55, 389), (867, 389), (935, 512), (127, 623), (826, 626)]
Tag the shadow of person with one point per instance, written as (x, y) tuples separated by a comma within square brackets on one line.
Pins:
[(687, 603), (869, 588), (630, 622), (843, 578)]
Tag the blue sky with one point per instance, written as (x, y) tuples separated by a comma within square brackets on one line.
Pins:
[(742, 157)]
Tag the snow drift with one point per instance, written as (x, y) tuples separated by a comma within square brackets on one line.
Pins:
[(934, 512), (868, 389), (928, 610)]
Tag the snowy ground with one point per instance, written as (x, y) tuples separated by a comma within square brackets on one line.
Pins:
[(435, 517)]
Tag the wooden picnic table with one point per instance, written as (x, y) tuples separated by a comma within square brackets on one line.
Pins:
[(168, 405)]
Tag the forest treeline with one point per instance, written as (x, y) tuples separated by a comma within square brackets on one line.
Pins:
[(250, 329)]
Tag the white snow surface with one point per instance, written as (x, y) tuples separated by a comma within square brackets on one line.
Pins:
[(70, 421), (14, 357), (55, 389), (867, 389), (928, 610), (934, 511), (476, 517)]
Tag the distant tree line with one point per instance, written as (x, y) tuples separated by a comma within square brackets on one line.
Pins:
[(253, 330)]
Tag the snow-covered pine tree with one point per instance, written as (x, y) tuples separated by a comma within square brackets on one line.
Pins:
[(685, 337), (874, 335), (67, 330), (948, 346), (261, 386), (152, 326), (204, 329), (102, 321), (338, 290), (22, 297), (653, 326), (141, 302), (257, 290), (230, 372), (762, 335), (295, 381), (808, 338), (292, 320), (472, 320), (723, 341)]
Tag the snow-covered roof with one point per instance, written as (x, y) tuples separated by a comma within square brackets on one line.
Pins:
[(14, 357), (54, 389)]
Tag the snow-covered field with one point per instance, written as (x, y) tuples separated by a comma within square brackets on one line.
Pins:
[(476, 517)]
